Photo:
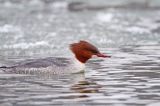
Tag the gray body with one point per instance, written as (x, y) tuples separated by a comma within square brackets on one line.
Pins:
[(50, 65)]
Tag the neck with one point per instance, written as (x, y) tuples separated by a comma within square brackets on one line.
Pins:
[(78, 65), (81, 59)]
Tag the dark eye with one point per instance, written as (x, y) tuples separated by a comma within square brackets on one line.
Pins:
[(92, 50)]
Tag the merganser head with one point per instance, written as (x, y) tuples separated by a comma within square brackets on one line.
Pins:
[(84, 51)]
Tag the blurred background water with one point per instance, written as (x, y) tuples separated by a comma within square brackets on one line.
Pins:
[(128, 30)]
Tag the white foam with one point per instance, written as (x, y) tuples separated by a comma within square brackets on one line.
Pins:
[(136, 29), (60, 4), (25, 45), (104, 17), (8, 28)]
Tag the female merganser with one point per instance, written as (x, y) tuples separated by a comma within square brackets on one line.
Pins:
[(82, 50)]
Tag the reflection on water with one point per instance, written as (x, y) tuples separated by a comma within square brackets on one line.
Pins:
[(45, 89), (86, 87), (130, 77)]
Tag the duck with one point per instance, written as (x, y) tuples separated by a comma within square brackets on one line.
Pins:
[(82, 50)]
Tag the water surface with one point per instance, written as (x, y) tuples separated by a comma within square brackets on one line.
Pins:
[(40, 29)]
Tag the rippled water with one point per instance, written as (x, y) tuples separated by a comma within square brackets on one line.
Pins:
[(131, 77)]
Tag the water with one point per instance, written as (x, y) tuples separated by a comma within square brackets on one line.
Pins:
[(39, 29)]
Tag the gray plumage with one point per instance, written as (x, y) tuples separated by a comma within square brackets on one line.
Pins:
[(37, 66)]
